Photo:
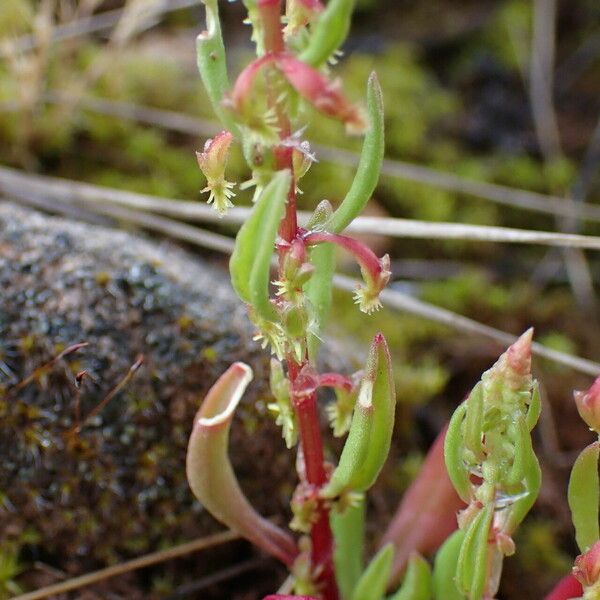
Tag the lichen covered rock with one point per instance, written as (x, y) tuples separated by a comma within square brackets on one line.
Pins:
[(117, 488)]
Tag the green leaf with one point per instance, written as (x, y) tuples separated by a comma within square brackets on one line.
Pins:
[(356, 446), (369, 166), (584, 497), (472, 570), (535, 406), (444, 568), (473, 429), (369, 439), (417, 583), (349, 533), (372, 584), (532, 482), (318, 290), (523, 450), (210, 54), (250, 263), (453, 446), (328, 33)]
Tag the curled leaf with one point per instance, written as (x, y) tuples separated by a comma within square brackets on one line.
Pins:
[(210, 474), (457, 470)]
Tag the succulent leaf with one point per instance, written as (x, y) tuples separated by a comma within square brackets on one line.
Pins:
[(250, 262), (329, 32), (210, 54), (417, 584), (444, 568), (349, 532), (211, 475), (373, 582), (584, 497), (369, 166)]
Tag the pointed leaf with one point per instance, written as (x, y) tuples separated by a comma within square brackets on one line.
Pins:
[(584, 497), (368, 442), (373, 582), (417, 584), (210, 474), (356, 446)]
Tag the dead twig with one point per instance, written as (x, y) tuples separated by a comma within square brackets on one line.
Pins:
[(131, 565)]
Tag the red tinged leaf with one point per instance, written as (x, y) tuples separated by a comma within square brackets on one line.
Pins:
[(211, 475), (566, 589)]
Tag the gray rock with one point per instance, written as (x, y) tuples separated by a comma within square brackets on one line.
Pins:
[(119, 487)]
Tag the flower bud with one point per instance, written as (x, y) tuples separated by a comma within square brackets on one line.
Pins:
[(588, 405), (212, 162)]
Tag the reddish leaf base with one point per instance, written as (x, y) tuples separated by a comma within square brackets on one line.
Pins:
[(568, 587)]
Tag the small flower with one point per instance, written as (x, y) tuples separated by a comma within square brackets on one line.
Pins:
[(367, 296), (588, 405), (212, 161), (305, 504), (375, 271), (269, 333), (299, 14)]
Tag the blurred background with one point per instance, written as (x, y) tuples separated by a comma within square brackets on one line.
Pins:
[(492, 118)]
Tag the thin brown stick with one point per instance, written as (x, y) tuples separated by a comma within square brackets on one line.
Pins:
[(131, 565), (96, 198), (391, 298), (128, 377), (47, 365)]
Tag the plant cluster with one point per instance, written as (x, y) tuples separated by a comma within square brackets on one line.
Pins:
[(487, 448)]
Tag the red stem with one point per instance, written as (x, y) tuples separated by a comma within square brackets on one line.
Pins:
[(305, 406)]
